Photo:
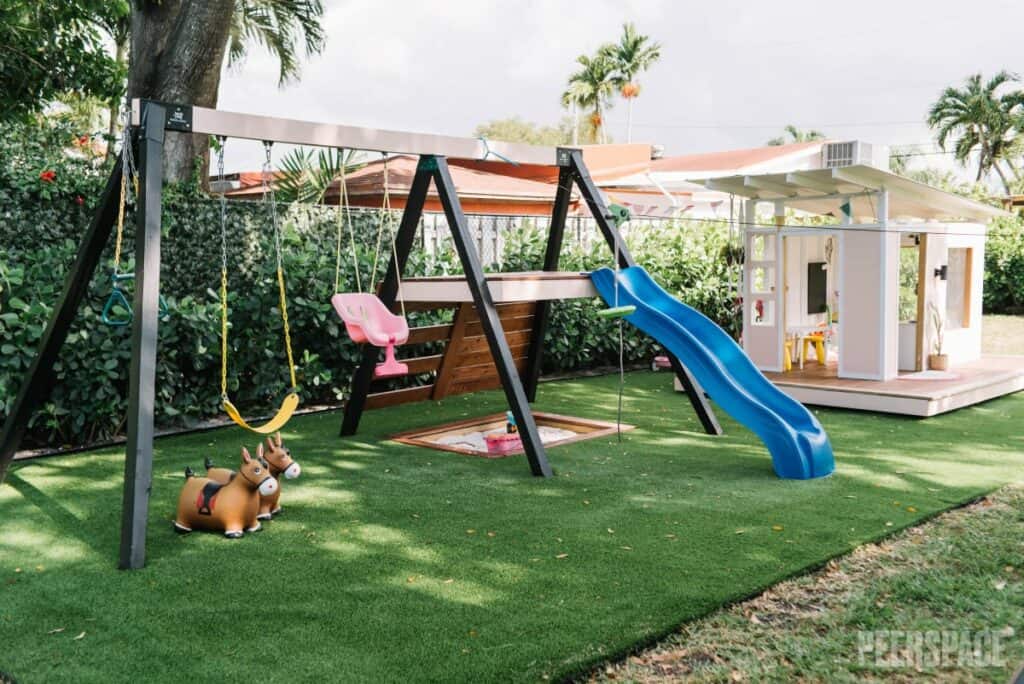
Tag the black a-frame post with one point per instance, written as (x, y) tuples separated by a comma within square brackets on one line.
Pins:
[(435, 168), (149, 138), (572, 172), (38, 379), (519, 392)]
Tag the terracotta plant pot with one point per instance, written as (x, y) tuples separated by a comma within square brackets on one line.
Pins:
[(939, 362)]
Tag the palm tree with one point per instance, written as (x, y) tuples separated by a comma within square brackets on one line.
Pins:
[(796, 136), (574, 92), (592, 87), (977, 119), (279, 26), (633, 54), (307, 175)]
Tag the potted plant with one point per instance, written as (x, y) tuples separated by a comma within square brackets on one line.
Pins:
[(937, 360)]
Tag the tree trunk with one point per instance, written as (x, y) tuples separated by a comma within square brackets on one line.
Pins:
[(1002, 176), (177, 53), (629, 119), (114, 111), (1013, 168), (575, 124)]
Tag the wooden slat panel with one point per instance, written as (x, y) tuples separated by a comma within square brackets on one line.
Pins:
[(509, 310), (475, 385), (422, 306), (429, 333), (508, 324), (464, 374), (484, 356), (479, 343), (400, 396), (423, 364), (450, 362)]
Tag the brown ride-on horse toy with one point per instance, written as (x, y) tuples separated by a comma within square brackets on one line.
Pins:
[(231, 507), (281, 463)]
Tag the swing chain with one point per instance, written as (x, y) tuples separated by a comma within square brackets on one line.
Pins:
[(268, 190), (127, 175), (221, 140), (385, 213)]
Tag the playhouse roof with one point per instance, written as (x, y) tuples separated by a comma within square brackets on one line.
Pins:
[(822, 191)]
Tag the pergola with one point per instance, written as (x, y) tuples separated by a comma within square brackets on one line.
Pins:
[(875, 209), (868, 191)]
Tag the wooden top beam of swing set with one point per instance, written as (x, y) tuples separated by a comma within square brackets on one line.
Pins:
[(193, 119)]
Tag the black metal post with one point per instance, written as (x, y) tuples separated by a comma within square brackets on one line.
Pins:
[(138, 467), (488, 312), (695, 393), (542, 313), (388, 289), (35, 385), (574, 160), (594, 200)]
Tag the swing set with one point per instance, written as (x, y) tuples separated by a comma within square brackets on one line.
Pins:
[(367, 315), (366, 318)]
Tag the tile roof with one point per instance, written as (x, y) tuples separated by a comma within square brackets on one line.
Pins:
[(469, 182)]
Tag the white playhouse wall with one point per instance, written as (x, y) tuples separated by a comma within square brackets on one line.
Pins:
[(962, 291), (868, 304)]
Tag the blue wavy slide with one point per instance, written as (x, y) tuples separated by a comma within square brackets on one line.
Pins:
[(798, 444)]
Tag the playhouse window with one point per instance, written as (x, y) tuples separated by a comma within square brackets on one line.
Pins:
[(761, 248), (958, 288), (762, 280)]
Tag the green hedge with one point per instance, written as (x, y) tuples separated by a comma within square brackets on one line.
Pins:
[(1004, 267), (43, 216), (41, 222), (88, 399)]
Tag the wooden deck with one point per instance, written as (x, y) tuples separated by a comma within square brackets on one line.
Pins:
[(972, 383)]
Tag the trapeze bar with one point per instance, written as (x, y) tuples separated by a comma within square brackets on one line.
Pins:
[(190, 118)]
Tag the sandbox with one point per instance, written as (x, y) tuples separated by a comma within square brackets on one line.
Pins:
[(468, 436)]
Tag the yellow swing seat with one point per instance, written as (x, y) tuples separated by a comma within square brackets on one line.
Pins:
[(291, 401), (283, 415)]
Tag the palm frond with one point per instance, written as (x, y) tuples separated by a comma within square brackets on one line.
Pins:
[(279, 26), (307, 175)]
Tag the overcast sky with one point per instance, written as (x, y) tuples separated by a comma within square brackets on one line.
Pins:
[(732, 72)]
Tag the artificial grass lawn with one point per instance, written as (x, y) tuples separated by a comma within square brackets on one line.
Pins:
[(396, 563), (959, 573)]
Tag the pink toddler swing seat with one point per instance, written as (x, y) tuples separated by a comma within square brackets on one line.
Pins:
[(368, 320)]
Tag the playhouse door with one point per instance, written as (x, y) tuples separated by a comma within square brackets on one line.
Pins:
[(762, 300)]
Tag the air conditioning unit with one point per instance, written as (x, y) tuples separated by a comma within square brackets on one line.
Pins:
[(836, 155)]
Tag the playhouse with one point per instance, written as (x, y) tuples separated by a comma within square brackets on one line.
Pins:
[(878, 308)]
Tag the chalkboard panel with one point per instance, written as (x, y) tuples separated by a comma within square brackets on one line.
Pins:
[(817, 287)]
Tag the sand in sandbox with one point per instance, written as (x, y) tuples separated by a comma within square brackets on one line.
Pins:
[(476, 440)]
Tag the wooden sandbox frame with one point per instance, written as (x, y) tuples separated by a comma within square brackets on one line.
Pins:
[(584, 428)]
